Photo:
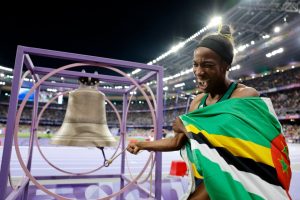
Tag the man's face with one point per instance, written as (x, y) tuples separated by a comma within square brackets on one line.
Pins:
[(209, 69)]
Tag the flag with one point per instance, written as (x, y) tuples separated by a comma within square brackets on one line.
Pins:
[(238, 148)]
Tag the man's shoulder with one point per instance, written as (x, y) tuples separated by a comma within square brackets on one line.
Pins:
[(196, 101), (244, 91)]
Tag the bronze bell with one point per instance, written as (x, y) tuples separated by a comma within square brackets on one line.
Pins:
[(85, 120)]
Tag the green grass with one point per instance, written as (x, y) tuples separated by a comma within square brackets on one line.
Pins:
[(26, 135)]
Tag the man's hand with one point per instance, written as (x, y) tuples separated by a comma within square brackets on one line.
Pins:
[(133, 147)]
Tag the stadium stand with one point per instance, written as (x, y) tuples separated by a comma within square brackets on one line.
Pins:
[(283, 91)]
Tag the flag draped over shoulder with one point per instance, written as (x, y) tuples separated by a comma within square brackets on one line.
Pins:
[(238, 148)]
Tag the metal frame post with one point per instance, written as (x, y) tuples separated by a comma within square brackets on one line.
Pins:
[(12, 111), (33, 131), (159, 121), (123, 131)]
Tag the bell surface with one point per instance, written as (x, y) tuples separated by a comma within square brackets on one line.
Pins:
[(85, 121)]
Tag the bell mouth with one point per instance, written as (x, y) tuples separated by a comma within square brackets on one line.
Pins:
[(84, 135)]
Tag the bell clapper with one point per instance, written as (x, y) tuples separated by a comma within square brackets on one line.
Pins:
[(106, 162)]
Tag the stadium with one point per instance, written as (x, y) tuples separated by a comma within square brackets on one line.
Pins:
[(142, 99)]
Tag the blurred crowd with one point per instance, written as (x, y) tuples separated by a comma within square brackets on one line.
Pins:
[(292, 132), (286, 102), (277, 79)]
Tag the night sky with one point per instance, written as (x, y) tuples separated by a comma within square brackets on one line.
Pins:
[(128, 30)]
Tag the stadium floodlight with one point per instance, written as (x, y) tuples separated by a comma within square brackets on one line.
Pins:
[(280, 50), (136, 71), (241, 48), (177, 47), (277, 29), (273, 53), (266, 36), (179, 85), (236, 67), (6, 68), (215, 21), (118, 87), (51, 90)]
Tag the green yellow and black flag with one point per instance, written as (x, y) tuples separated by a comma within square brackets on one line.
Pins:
[(237, 147)]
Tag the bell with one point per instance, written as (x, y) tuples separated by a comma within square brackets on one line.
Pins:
[(85, 120)]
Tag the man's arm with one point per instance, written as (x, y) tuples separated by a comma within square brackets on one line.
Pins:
[(169, 144), (199, 194)]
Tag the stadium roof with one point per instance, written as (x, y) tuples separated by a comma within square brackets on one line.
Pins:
[(266, 36)]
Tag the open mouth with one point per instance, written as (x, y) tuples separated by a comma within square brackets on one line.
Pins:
[(202, 84)]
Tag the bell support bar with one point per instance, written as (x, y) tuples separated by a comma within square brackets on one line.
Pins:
[(68, 73), (87, 58), (75, 86)]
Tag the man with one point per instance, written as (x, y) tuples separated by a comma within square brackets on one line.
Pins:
[(195, 132)]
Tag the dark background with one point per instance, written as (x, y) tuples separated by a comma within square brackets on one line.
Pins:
[(128, 30)]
